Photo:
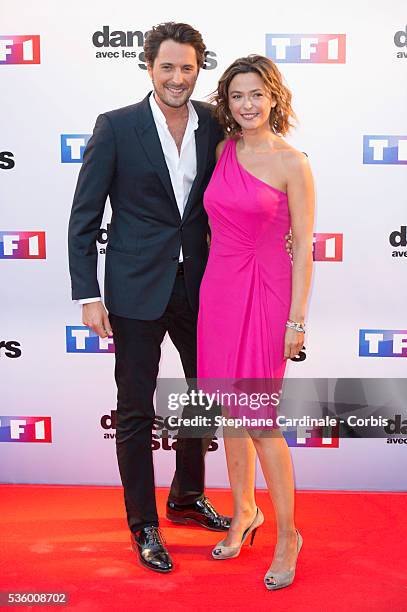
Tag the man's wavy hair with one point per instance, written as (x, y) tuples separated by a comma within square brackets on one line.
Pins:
[(280, 116), (178, 32)]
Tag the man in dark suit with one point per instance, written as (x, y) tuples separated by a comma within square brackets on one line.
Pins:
[(154, 160)]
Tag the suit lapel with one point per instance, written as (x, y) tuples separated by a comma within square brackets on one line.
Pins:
[(201, 145), (150, 141)]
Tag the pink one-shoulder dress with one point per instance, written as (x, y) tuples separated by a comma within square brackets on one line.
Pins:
[(245, 293)]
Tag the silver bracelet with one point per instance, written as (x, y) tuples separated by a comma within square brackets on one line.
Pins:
[(299, 327)]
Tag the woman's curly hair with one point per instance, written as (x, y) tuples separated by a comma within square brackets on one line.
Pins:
[(282, 113)]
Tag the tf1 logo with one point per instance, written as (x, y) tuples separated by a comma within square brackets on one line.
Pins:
[(306, 48), (382, 343), (6, 160), (82, 339), (385, 149), (25, 429), (312, 437), (328, 247), (72, 147), (22, 245), (20, 49)]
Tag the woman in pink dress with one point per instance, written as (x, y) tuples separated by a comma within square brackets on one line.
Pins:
[(253, 298)]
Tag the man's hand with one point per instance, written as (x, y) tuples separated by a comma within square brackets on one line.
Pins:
[(94, 315), (289, 244)]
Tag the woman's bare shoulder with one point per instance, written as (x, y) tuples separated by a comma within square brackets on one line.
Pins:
[(291, 155)]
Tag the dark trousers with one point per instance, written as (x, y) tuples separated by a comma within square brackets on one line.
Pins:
[(138, 351)]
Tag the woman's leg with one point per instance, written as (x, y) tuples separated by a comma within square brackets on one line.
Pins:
[(241, 462), (275, 461)]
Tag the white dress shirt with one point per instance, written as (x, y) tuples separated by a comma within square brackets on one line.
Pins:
[(181, 166)]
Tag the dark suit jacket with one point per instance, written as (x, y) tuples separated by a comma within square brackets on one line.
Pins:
[(124, 160)]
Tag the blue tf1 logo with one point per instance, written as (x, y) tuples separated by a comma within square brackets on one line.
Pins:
[(385, 149), (72, 147), (382, 343), (306, 48), (82, 339)]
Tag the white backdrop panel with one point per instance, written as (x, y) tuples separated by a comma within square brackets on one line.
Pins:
[(337, 105)]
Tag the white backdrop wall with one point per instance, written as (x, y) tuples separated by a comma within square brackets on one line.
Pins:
[(343, 107)]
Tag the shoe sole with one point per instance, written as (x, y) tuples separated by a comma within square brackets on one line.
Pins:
[(188, 521), (149, 567)]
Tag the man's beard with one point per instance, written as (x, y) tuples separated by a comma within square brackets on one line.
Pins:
[(167, 99)]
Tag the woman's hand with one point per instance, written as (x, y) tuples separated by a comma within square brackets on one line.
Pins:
[(293, 343), (289, 244)]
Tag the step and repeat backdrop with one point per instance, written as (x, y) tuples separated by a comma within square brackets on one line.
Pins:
[(62, 65)]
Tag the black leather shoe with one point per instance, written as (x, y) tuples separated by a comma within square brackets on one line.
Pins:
[(148, 544), (201, 512)]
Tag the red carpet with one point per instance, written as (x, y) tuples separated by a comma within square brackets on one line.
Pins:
[(75, 540)]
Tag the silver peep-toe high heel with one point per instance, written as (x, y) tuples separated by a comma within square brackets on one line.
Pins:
[(279, 580), (229, 552)]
